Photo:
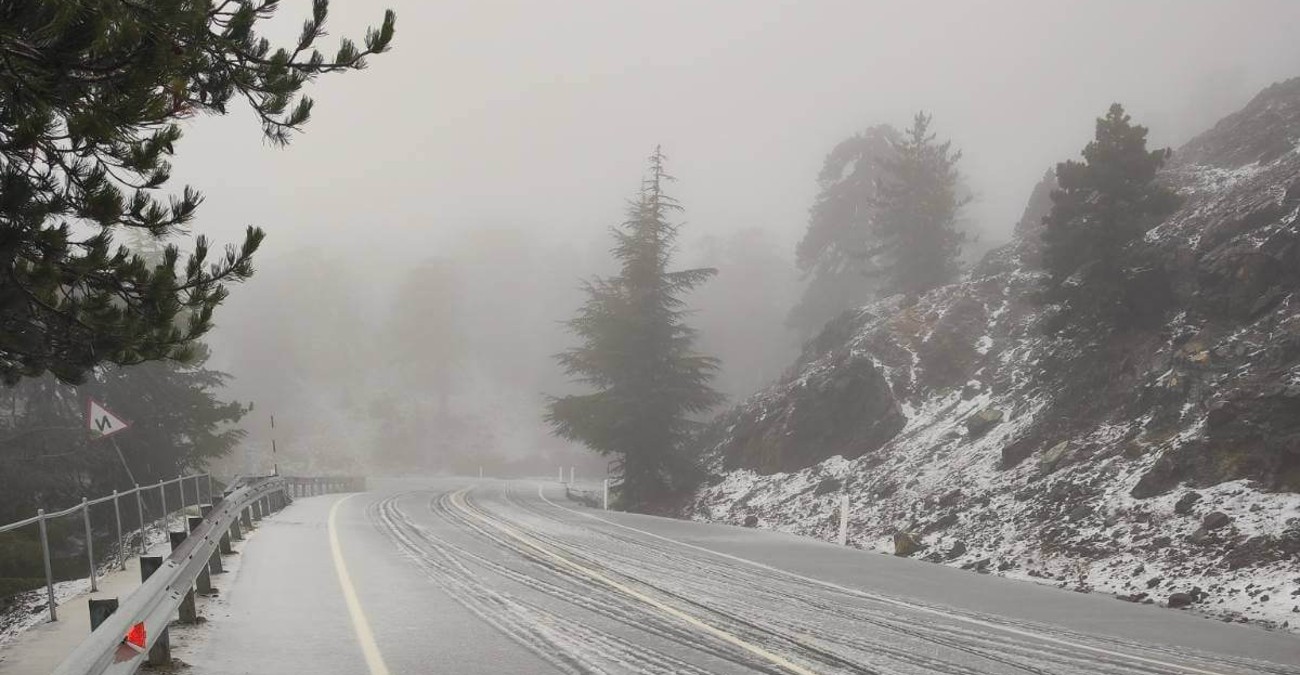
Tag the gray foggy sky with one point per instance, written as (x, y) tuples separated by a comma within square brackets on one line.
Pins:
[(537, 116), (541, 112)]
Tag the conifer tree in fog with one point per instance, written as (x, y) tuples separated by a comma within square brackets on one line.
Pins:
[(916, 243), (637, 353), (1100, 206), (92, 94), (833, 253)]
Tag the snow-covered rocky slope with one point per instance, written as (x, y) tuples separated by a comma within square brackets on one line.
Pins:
[(1159, 463)]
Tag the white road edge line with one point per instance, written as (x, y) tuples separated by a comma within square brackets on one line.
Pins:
[(897, 603), (374, 660), (775, 659)]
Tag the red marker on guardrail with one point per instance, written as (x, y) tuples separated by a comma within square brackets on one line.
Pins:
[(136, 636)]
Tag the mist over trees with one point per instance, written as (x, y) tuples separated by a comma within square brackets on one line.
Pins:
[(405, 312), (833, 254), (740, 313), (180, 421), (884, 221), (916, 244), (638, 353)]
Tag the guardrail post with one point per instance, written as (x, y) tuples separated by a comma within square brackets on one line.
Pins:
[(204, 581), (121, 545), (236, 532), (223, 545), (139, 511), (101, 610), (211, 500), (160, 654), (187, 611), (90, 545), (246, 519), (49, 573)]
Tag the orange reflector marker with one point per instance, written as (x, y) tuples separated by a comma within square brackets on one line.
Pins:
[(136, 636)]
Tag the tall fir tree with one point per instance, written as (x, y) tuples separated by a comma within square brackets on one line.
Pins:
[(637, 353), (1100, 206), (90, 99), (833, 253), (916, 240)]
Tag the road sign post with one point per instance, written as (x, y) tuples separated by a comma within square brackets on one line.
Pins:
[(90, 544), (102, 423)]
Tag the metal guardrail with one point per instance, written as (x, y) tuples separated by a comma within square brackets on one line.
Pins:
[(136, 630), (42, 517), (162, 594), (308, 487)]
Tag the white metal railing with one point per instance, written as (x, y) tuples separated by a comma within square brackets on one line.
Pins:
[(42, 517)]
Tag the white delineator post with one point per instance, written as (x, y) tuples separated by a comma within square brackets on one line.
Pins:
[(570, 475), (844, 520), (606, 500), (561, 475)]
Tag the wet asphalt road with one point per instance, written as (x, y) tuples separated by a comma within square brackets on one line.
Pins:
[(463, 576)]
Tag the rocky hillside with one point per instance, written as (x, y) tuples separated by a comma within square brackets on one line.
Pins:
[(1160, 463)]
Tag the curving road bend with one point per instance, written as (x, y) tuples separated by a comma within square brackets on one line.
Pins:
[(462, 576)]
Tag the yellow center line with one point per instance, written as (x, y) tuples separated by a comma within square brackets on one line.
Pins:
[(458, 500), (374, 660)]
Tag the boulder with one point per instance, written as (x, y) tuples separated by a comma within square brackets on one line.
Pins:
[(958, 549), (1177, 600), (1047, 463), (827, 486), (906, 544), (1185, 503), (751, 521), (1215, 520), (980, 423), (943, 523), (1078, 513), (1220, 414)]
